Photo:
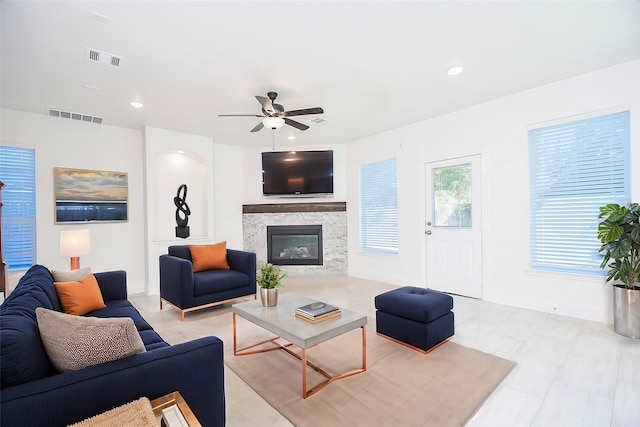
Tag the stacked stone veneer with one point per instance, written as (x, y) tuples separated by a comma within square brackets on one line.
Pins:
[(332, 217)]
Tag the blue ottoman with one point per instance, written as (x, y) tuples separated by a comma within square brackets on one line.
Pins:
[(421, 318)]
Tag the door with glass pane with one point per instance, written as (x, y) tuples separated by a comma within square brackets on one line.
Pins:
[(453, 228)]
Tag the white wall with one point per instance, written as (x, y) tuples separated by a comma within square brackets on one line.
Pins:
[(70, 143), (228, 164), (498, 131)]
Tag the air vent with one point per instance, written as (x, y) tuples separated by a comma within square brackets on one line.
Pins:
[(74, 116), (104, 58), (318, 120)]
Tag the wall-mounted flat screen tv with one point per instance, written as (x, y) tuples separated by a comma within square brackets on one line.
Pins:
[(297, 172)]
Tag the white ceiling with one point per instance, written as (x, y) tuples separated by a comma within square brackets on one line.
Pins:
[(372, 66)]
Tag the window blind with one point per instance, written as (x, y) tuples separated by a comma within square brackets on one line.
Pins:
[(379, 207), (17, 172), (575, 168)]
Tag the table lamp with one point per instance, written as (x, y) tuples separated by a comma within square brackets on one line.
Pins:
[(74, 243)]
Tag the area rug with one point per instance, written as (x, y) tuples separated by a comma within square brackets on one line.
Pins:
[(401, 387)]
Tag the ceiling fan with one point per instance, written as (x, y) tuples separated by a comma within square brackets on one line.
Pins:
[(274, 116)]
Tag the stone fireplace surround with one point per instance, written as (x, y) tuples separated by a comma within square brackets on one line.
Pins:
[(331, 215)]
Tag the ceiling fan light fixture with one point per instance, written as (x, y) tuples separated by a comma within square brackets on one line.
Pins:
[(273, 122)]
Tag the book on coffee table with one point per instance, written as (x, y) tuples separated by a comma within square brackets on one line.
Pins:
[(315, 310), (317, 319)]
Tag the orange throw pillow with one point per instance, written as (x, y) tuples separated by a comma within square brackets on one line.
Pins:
[(80, 297), (209, 257)]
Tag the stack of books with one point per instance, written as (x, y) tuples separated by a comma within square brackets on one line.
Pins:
[(317, 312)]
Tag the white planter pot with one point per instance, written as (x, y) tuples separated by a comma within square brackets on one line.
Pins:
[(626, 311)]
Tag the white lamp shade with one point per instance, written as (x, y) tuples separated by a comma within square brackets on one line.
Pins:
[(74, 243), (273, 122)]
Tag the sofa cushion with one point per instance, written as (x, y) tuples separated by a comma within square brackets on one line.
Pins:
[(22, 356), (152, 340), (209, 257), (212, 281), (123, 308), (75, 342), (80, 297), (70, 275)]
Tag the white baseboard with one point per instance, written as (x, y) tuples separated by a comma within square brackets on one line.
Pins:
[(547, 306)]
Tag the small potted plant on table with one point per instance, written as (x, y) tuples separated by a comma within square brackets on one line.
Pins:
[(619, 232), (269, 279)]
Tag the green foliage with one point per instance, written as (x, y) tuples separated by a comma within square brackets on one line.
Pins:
[(619, 233), (269, 276)]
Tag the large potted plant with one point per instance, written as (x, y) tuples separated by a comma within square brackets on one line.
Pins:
[(619, 232), (269, 278)]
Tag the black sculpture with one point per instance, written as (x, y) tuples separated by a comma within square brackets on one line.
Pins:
[(182, 230)]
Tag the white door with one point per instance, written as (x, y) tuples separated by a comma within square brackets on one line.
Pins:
[(453, 226)]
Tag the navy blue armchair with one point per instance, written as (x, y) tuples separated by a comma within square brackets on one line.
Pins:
[(188, 291)]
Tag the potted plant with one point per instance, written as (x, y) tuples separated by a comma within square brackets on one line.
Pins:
[(269, 278), (619, 232)]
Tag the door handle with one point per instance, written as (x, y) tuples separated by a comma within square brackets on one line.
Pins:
[(428, 232)]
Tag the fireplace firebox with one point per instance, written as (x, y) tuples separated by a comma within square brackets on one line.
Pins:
[(294, 244)]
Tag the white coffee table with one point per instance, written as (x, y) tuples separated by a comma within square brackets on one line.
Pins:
[(281, 321)]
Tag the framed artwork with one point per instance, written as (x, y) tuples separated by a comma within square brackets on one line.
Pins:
[(82, 195)]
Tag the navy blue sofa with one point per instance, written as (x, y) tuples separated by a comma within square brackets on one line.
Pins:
[(34, 394), (189, 291)]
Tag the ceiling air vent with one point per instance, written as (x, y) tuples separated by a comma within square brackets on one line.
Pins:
[(318, 120), (104, 58), (74, 116)]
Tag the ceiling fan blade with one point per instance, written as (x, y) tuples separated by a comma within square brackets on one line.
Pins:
[(295, 124), (258, 127), (303, 112), (240, 115), (266, 104)]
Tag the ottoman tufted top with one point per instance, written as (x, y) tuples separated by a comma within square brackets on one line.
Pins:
[(419, 304)]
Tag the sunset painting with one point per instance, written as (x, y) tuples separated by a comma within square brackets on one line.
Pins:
[(87, 195)]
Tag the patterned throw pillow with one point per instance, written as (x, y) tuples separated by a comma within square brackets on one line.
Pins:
[(138, 413), (75, 342)]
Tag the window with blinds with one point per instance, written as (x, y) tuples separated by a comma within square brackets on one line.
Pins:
[(379, 207), (575, 168), (17, 172)]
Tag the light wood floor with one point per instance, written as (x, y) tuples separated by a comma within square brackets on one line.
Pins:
[(570, 372)]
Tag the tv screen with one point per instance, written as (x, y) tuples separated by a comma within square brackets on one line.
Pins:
[(297, 172)]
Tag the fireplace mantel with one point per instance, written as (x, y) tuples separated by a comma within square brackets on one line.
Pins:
[(295, 207)]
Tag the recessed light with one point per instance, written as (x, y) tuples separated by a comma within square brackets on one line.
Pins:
[(454, 71), (291, 138), (136, 104)]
